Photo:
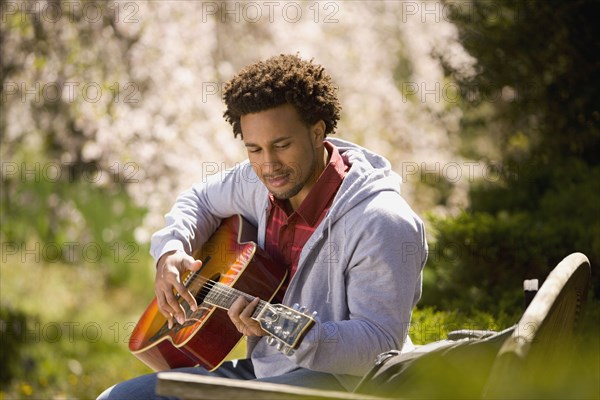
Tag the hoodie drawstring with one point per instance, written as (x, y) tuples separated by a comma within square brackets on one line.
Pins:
[(328, 299)]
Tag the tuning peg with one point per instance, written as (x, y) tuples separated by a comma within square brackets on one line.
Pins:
[(296, 306), (314, 314), (288, 351), (302, 309), (280, 346), (271, 341)]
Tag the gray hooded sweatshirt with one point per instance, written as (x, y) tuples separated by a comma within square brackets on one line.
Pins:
[(361, 269)]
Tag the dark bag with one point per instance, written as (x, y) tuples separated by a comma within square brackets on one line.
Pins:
[(456, 368)]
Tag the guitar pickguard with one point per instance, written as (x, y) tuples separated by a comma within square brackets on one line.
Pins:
[(191, 318)]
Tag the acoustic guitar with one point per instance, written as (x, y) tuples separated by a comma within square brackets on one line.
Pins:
[(232, 265)]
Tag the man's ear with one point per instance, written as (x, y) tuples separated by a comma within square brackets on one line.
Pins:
[(317, 131)]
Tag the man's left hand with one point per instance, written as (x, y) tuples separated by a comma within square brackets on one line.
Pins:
[(240, 314)]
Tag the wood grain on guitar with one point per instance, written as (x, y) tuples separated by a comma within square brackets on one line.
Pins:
[(233, 266)]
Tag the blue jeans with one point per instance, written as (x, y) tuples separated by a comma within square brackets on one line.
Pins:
[(143, 386)]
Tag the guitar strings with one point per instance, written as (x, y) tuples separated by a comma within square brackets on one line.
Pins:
[(221, 295), (224, 296)]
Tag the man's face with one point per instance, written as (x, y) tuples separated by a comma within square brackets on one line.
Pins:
[(286, 154)]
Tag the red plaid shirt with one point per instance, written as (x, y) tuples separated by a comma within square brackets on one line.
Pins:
[(287, 229)]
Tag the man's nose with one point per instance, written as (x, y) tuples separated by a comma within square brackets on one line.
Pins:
[(271, 163)]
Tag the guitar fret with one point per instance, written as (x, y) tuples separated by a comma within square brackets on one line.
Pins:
[(259, 307), (224, 296)]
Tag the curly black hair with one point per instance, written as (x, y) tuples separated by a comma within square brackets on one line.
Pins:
[(279, 80)]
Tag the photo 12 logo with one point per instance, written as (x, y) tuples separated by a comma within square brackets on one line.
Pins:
[(454, 93), (68, 331), (453, 172), (70, 10), (71, 252), (70, 92), (55, 172), (269, 11), (471, 10)]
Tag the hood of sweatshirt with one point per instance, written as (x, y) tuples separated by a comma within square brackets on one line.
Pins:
[(368, 175)]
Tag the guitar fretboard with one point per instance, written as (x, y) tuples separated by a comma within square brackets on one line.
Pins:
[(223, 296)]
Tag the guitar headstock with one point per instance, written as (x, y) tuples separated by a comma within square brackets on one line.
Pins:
[(286, 325)]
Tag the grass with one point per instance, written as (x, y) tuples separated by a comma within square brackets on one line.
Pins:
[(76, 335)]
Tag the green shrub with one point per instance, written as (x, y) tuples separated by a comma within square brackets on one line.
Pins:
[(13, 329)]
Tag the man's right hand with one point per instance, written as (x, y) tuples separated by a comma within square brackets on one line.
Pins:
[(170, 268)]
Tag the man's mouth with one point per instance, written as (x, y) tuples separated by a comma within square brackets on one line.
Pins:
[(277, 180)]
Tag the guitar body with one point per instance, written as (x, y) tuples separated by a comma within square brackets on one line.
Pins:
[(230, 257)]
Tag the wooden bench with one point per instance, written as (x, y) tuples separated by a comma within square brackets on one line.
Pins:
[(543, 334), (197, 387), (548, 321)]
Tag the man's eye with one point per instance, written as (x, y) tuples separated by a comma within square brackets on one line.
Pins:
[(253, 150), (282, 146)]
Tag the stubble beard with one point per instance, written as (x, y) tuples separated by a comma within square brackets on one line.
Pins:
[(294, 173)]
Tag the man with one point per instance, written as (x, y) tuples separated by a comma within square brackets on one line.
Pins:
[(327, 210)]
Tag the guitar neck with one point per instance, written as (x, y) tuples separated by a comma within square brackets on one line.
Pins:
[(223, 296), (286, 326)]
